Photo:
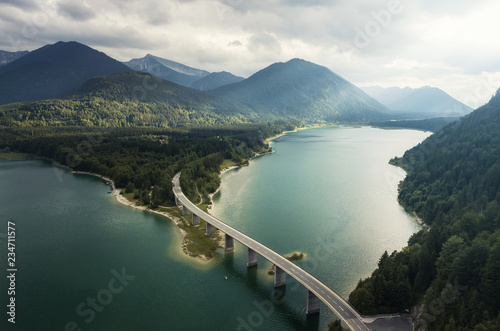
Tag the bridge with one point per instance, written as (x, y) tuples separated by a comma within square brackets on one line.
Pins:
[(317, 291)]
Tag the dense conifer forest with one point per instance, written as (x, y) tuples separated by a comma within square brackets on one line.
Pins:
[(450, 271), (146, 159)]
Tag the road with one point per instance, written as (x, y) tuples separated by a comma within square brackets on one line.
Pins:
[(349, 316)]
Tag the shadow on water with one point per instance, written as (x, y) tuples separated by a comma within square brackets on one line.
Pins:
[(277, 297)]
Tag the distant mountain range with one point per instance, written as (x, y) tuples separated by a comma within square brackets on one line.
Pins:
[(166, 69), (52, 70), (215, 80), (7, 57), (301, 89), (421, 103), (297, 89), (181, 74)]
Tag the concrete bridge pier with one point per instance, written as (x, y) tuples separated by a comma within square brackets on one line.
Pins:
[(279, 277), (312, 303), (228, 242), (196, 219), (251, 257), (185, 211), (210, 230), (177, 202)]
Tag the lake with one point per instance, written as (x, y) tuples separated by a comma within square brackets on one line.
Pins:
[(85, 261)]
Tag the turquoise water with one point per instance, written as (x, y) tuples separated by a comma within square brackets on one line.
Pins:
[(321, 184), (73, 239)]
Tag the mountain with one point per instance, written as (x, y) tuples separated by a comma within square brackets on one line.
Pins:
[(453, 185), (7, 57), (166, 69), (387, 96), (126, 99), (52, 70), (123, 87), (215, 80), (421, 103), (303, 90)]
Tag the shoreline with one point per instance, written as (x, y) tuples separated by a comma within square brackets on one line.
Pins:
[(174, 219), (318, 126), (211, 206)]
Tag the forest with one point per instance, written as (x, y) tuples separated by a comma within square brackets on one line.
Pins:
[(450, 270), (448, 275), (144, 160), (139, 130), (130, 99), (431, 124)]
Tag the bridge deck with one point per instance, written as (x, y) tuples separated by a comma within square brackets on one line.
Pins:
[(349, 316)]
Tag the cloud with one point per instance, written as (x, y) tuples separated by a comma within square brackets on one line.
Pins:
[(235, 43), (22, 4), (264, 42), (76, 10), (301, 3), (448, 41), (452, 7)]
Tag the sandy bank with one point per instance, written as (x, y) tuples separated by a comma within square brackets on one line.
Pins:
[(124, 201)]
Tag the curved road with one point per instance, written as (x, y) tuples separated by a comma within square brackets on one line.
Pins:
[(339, 306)]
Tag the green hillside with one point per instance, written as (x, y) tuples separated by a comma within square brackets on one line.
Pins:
[(124, 100), (70, 84), (215, 80), (451, 271), (303, 90)]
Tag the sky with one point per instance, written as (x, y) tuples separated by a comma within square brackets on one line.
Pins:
[(450, 44)]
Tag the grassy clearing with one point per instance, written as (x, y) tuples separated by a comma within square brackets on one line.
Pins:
[(227, 163), (130, 197), (197, 243)]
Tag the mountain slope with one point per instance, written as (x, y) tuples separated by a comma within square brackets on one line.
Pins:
[(52, 70), (7, 57), (424, 102), (143, 87), (166, 69), (215, 80), (122, 100), (387, 96), (303, 90), (450, 273)]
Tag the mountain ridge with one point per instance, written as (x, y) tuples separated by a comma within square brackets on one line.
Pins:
[(299, 88), (421, 103), (182, 74), (7, 57), (216, 80), (166, 69), (52, 70)]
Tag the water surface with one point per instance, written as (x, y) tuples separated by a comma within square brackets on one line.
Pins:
[(321, 185)]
